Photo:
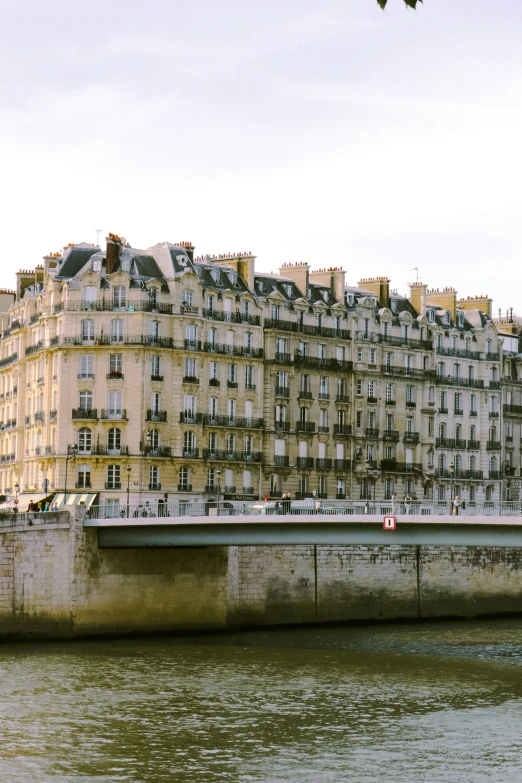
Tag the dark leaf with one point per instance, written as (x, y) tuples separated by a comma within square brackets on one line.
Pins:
[(382, 3)]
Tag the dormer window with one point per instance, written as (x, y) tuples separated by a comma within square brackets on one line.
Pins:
[(325, 294), (216, 275), (153, 296), (431, 316), (349, 300), (460, 320), (232, 276), (288, 288), (97, 264), (394, 305), (448, 317)]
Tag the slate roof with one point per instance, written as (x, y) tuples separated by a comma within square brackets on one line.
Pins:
[(74, 259)]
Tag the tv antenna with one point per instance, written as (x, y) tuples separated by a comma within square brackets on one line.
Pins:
[(416, 270), (98, 232)]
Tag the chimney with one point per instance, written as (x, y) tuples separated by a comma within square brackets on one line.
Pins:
[(299, 273), (482, 303), (333, 277), (243, 263), (379, 286), (418, 297), (112, 258), (189, 248)]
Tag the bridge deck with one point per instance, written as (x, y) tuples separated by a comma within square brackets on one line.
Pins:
[(304, 529)]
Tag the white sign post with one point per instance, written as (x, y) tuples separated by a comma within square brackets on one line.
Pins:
[(390, 523)]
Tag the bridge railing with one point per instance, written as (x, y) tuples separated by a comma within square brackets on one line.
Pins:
[(176, 508)]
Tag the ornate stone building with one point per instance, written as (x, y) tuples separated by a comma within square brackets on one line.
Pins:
[(135, 373)]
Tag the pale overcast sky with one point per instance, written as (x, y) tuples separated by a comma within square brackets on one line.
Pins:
[(327, 132)]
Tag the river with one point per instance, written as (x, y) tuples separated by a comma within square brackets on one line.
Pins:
[(430, 703)]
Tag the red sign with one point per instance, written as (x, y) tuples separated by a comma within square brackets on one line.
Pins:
[(16, 501), (390, 523)]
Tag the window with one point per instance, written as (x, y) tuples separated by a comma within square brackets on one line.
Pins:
[(85, 400), (191, 332), (387, 360), (153, 296), (249, 377), (116, 331), (83, 477), (231, 408), (114, 440), (453, 341), (409, 424), (190, 369), (119, 296), (472, 432), (458, 402), (358, 419), (322, 486), (359, 354), (472, 494), (87, 331), (154, 477), (473, 403), (275, 485), (155, 330), (431, 316), (211, 478), (187, 298), (276, 312), (281, 345), (156, 367), (408, 361), (114, 404), (322, 351), (249, 444), (184, 479), (359, 388), (212, 442), (84, 440), (388, 488), (431, 426), (156, 402), (213, 406), (189, 442), (214, 371), (372, 356), (113, 477), (116, 363), (323, 385), (488, 346), (303, 485), (441, 493), (86, 365), (410, 393), (323, 420), (249, 341), (189, 405), (245, 307), (489, 493), (89, 296), (210, 302), (232, 374), (371, 390), (456, 370)]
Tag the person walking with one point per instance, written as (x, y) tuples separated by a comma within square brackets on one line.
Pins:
[(407, 501), (456, 504), (393, 502)]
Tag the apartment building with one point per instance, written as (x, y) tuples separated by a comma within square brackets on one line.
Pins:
[(129, 374)]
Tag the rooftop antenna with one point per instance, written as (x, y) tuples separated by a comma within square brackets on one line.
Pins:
[(416, 269), (98, 232)]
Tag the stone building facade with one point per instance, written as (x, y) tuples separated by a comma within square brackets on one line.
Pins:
[(152, 371)]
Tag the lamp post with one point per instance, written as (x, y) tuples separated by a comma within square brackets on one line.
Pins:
[(218, 474), (368, 463), (128, 487), (71, 454), (16, 489)]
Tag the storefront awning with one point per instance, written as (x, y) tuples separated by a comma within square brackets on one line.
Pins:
[(74, 499)]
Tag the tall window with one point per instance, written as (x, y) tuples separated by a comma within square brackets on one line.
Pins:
[(116, 331), (187, 298), (155, 330), (212, 442), (212, 335), (85, 400), (249, 377), (189, 442), (184, 479), (156, 367), (119, 296), (114, 403), (84, 440), (154, 477), (87, 330), (156, 402), (115, 363), (113, 477), (89, 296), (86, 365), (83, 477), (114, 440), (154, 440)]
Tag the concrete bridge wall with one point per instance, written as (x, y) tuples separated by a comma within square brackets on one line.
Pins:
[(56, 582)]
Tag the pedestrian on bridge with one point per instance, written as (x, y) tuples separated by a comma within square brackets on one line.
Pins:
[(407, 502), (456, 504), (393, 502)]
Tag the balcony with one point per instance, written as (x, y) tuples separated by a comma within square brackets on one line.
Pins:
[(371, 432), (232, 350), (473, 445), (393, 435), (113, 485), (214, 382), (49, 451), (232, 385), (53, 415), (411, 404), (495, 385), (450, 443), (106, 451), (190, 379), (323, 464), (322, 363), (232, 456), (305, 395), (323, 428), (342, 464), (411, 437), (34, 348), (282, 426), (157, 451), (406, 372), (160, 416), (230, 490), (192, 345), (234, 318), (281, 461), (458, 412), (85, 376), (85, 484), (8, 360), (513, 410), (114, 414), (473, 475), (453, 380), (403, 342), (282, 391), (184, 487), (492, 357), (282, 358), (102, 305), (305, 462), (495, 475), (392, 466), (311, 329), (342, 429), (114, 376), (444, 411), (460, 353), (324, 396), (154, 486), (371, 400), (156, 378), (250, 386), (39, 416), (493, 414), (211, 487), (230, 421), (340, 496), (85, 413), (305, 426), (493, 445), (37, 450), (190, 454), (188, 309), (342, 398)]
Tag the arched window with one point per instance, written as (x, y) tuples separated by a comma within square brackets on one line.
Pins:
[(488, 346), (154, 440), (493, 374), (114, 440), (457, 462), (472, 462), (441, 369), (84, 440), (231, 443), (154, 477), (471, 372), (489, 493), (492, 464), (431, 316), (442, 430), (442, 463), (458, 431), (456, 370)]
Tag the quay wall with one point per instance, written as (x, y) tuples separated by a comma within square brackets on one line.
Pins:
[(56, 583)]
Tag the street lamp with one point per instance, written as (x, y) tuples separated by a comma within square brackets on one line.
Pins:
[(218, 474), (71, 454), (128, 487), (452, 473)]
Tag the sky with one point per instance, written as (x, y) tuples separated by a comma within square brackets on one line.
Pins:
[(329, 132)]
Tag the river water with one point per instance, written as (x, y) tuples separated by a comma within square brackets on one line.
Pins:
[(438, 702)]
